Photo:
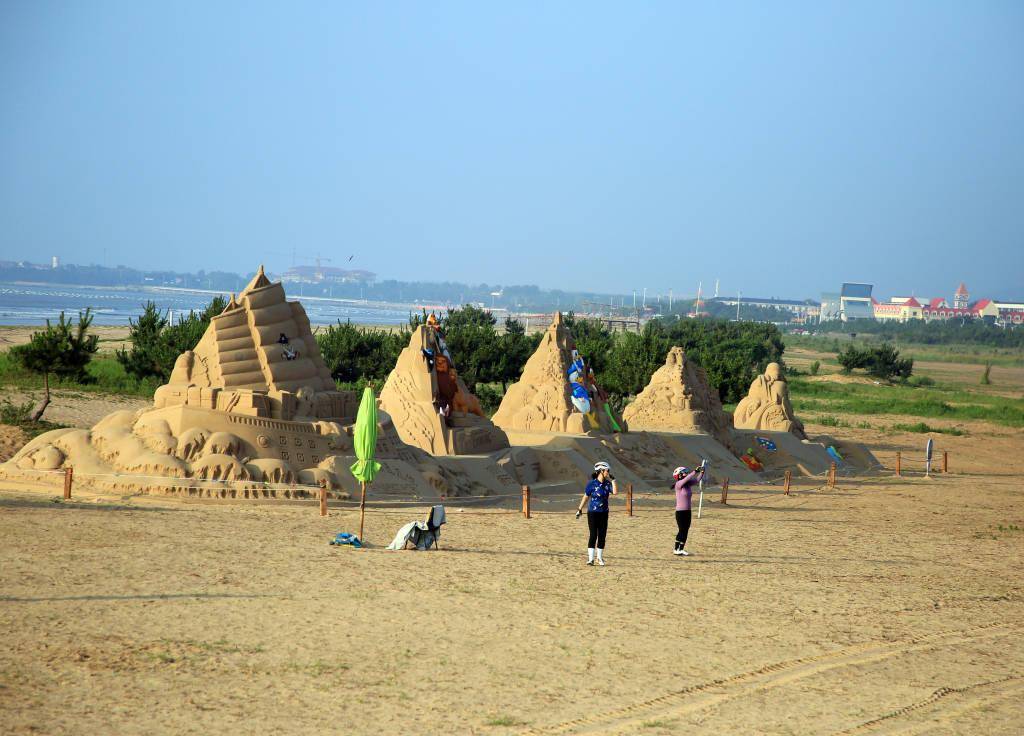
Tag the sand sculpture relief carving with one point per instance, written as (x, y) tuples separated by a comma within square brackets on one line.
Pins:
[(679, 398), (543, 399), (766, 405), (253, 402), (429, 403)]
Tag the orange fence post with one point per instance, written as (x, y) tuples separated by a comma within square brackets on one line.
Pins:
[(725, 490), (898, 458), (69, 475), (629, 498), (832, 476), (526, 502), (789, 479), (945, 461), (323, 498)]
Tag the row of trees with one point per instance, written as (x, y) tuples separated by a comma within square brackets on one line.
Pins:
[(731, 352), (482, 354), (944, 332)]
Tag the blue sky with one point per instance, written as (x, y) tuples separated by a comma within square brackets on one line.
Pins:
[(781, 148)]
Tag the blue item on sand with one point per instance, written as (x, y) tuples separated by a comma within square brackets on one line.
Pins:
[(348, 539), (834, 453), (766, 443)]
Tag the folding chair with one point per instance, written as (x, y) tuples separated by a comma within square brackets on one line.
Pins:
[(435, 520)]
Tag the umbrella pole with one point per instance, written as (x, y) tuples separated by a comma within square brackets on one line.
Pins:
[(362, 508)]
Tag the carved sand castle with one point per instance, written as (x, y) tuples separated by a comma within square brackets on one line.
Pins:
[(429, 403), (253, 403), (766, 406), (679, 399), (543, 400)]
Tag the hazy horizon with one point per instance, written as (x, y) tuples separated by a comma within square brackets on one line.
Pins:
[(585, 147)]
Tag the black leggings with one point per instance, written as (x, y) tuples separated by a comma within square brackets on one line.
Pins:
[(683, 522), (598, 523)]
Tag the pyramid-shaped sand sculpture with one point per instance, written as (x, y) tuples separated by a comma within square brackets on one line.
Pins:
[(680, 399), (429, 403), (253, 403), (556, 392)]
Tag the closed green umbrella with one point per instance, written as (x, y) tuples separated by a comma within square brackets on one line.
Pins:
[(365, 469)]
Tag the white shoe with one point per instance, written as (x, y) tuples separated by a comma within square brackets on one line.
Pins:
[(683, 553), (678, 552), (600, 562), (590, 562)]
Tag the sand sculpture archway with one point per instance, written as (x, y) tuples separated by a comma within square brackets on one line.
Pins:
[(766, 405), (542, 399), (429, 403), (678, 398)]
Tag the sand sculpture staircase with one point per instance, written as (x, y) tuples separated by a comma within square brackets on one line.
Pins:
[(247, 334)]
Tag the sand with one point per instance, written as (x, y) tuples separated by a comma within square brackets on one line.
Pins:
[(885, 605)]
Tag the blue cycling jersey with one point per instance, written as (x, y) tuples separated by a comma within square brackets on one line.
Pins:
[(598, 493)]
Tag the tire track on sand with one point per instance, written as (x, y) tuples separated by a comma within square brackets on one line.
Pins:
[(772, 675), (995, 690)]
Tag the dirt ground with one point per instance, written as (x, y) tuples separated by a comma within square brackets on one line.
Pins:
[(886, 605)]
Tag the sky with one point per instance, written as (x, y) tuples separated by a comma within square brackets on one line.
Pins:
[(781, 148)]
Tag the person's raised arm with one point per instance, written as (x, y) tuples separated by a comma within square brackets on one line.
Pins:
[(615, 487)]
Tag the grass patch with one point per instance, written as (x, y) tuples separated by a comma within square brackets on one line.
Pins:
[(831, 421), (922, 428), (106, 376), (924, 402), (16, 415), (504, 721)]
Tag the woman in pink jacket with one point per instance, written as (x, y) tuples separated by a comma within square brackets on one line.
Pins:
[(685, 481)]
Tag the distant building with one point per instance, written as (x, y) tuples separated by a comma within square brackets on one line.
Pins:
[(327, 275), (898, 309), (829, 311), (804, 309), (960, 298), (55, 263), (855, 302)]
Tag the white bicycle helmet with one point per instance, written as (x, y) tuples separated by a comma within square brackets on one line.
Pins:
[(599, 466), (681, 472)]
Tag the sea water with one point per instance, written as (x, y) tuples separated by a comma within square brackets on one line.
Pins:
[(33, 304)]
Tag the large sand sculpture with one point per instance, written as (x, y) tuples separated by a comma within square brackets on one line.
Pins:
[(252, 407), (430, 405), (541, 401), (679, 399), (766, 406)]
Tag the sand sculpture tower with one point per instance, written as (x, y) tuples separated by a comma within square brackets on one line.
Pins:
[(542, 399), (254, 401), (429, 403), (766, 406), (679, 399)]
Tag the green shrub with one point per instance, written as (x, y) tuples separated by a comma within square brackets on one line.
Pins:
[(881, 361), (815, 367), (15, 414), (921, 381), (156, 343), (922, 428), (985, 379)]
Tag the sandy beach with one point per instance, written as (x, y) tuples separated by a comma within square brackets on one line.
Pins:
[(885, 605)]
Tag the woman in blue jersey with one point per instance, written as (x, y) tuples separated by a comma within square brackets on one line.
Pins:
[(599, 489)]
